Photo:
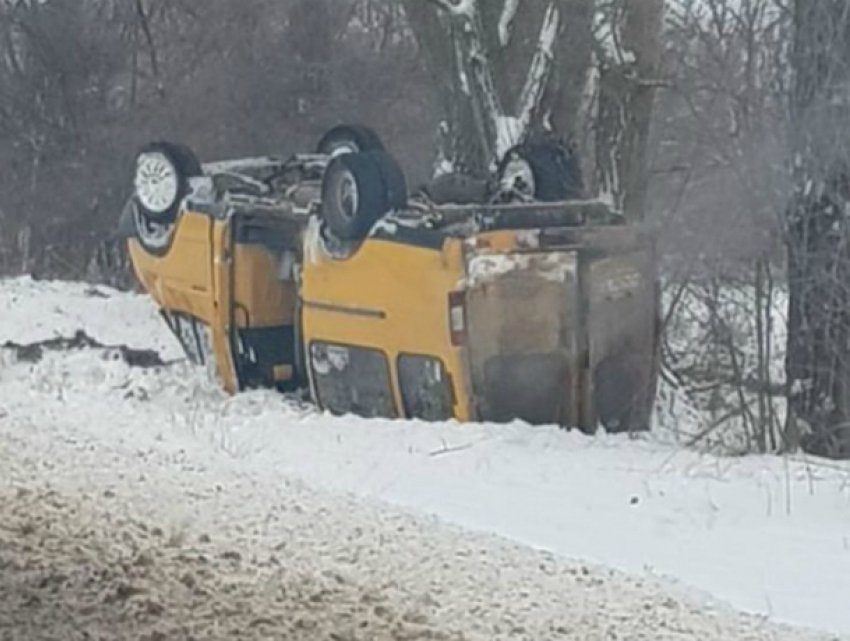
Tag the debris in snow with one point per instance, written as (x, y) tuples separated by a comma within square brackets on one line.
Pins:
[(274, 479), (34, 352)]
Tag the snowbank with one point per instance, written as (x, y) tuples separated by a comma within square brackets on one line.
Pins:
[(766, 535)]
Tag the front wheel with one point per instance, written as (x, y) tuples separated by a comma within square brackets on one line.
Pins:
[(161, 182)]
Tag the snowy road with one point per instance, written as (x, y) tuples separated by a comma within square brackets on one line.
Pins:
[(165, 449)]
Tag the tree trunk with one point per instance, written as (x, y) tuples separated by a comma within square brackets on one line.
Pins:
[(818, 357), (508, 71), (629, 57), (504, 70)]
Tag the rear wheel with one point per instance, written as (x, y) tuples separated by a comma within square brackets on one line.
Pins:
[(545, 171)]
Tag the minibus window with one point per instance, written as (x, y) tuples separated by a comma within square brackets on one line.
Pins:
[(352, 380)]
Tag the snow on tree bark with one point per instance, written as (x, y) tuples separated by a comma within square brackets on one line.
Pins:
[(628, 56), (509, 71), (501, 68)]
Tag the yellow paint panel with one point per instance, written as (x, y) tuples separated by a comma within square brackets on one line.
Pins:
[(220, 322), (262, 299), (390, 297), (181, 280)]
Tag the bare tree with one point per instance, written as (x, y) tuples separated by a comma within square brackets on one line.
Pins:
[(84, 84), (722, 176), (580, 70), (501, 70), (819, 228), (628, 55)]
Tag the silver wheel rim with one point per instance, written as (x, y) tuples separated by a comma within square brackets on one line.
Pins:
[(157, 182), (348, 195), (519, 177)]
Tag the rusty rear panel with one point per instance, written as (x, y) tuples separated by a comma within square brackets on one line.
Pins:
[(562, 326), (522, 346), (622, 328)]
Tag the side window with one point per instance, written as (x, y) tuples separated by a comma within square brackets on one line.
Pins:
[(352, 380), (426, 388)]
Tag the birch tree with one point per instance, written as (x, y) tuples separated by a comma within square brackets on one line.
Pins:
[(581, 71)]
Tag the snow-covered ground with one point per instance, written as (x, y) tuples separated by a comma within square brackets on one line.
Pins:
[(695, 533)]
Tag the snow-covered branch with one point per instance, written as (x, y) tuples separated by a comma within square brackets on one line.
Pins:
[(541, 68), (610, 20), (506, 21), (456, 7)]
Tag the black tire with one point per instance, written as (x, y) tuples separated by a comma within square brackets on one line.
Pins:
[(349, 138), (186, 165), (354, 196), (358, 190), (555, 169), (395, 182), (154, 230)]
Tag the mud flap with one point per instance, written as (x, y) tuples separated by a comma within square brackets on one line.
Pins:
[(564, 336)]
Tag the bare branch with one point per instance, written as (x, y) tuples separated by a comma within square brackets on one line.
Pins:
[(506, 21), (541, 68), (456, 7)]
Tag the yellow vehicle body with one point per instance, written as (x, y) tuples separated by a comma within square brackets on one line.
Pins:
[(214, 288), (537, 328), (392, 298), (319, 272), (544, 325)]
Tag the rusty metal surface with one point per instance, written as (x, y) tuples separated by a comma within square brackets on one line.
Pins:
[(522, 341), (565, 336)]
